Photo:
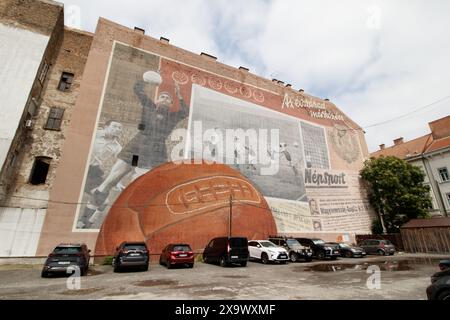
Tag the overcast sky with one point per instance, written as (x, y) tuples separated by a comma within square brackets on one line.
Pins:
[(376, 60)]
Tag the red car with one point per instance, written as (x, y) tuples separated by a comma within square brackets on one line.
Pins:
[(177, 254)]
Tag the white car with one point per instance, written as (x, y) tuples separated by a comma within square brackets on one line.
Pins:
[(266, 251)]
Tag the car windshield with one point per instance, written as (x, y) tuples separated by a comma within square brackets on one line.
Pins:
[(67, 250), (267, 244), (318, 241), (387, 242), (344, 245), (292, 242), (238, 242), (134, 247), (182, 248)]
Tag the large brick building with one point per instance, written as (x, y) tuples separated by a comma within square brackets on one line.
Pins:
[(88, 152)]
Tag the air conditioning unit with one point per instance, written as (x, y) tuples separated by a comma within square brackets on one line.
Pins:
[(29, 124)]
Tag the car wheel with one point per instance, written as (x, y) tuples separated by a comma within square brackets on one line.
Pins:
[(160, 261), (444, 295), (44, 274), (293, 257), (283, 262), (349, 254), (264, 258), (308, 259), (205, 259), (145, 268), (391, 254), (168, 265), (381, 252), (222, 262), (244, 264), (190, 265), (321, 255)]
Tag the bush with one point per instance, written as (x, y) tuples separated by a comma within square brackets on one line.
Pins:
[(108, 261)]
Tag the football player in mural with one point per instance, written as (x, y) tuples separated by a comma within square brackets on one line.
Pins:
[(147, 149), (104, 153)]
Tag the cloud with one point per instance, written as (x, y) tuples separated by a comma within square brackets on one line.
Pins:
[(375, 59)]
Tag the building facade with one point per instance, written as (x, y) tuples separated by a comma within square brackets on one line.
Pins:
[(432, 154), (121, 110)]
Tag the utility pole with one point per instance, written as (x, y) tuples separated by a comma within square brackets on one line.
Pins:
[(230, 217)]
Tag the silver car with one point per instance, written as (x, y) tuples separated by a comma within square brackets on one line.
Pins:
[(377, 246)]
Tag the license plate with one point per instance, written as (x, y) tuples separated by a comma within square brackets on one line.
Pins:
[(182, 255), (64, 262), (309, 254), (336, 252), (134, 254), (234, 257)]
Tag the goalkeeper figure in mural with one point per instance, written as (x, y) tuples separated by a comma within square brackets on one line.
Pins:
[(147, 149)]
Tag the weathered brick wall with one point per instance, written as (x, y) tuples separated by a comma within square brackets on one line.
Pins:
[(71, 57), (35, 15)]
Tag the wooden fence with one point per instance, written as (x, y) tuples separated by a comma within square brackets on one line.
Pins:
[(426, 240)]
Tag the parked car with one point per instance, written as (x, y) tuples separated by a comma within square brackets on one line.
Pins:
[(177, 254), (377, 246), (295, 250), (131, 254), (349, 250), (320, 248), (444, 264), (267, 251), (226, 251), (440, 286), (65, 256)]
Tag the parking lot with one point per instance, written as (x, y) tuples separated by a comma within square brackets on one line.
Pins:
[(403, 276)]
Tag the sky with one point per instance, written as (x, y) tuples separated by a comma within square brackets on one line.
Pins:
[(379, 61)]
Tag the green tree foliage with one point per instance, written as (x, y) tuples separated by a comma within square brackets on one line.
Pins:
[(396, 190)]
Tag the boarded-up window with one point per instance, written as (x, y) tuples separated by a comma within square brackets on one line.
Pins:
[(40, 170), (66, 81), (54, 119)]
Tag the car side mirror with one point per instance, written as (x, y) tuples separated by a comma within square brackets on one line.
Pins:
[(117, 248), (258, 246), (89, 251)]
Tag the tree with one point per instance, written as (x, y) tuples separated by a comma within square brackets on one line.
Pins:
[(396, 191)]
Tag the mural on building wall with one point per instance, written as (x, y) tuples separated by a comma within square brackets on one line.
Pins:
[(149, 100)]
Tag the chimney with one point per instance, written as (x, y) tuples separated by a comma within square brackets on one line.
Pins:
[(301, 90), (139, 30), (203, 54), (398, 141), (162, 39), (243, 68), (382, 146), (288, 85), (326, 99)]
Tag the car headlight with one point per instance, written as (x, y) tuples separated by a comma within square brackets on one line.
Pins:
[(353, 250)]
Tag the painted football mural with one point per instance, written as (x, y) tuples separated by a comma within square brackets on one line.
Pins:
[(187, 203)]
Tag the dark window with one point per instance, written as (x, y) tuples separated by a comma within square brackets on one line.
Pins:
[(40, 170), (134, 247), (66, 81), (443, 173), (67, 250), (182, 248), (238, 242), (54, 119), (134, 161), (253, 244)]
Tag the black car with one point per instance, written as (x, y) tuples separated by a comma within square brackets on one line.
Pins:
[(439, 288), (295, 250), (131, 254), (350, 251), (444, 264), (320, 248), (65, 256), (226, 251)]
